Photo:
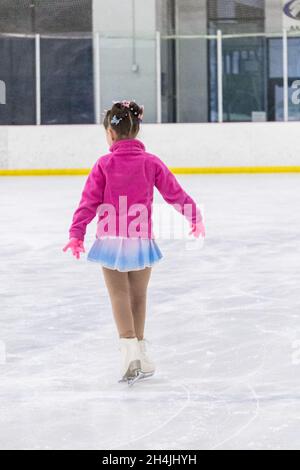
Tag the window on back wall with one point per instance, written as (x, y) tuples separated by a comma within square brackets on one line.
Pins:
[(236, 16), (166, 21), (244, 59), (45, 16), (66, 62), (236, 9)]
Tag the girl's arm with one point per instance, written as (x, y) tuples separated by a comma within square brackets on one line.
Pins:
[(91, 198), (174, 194)]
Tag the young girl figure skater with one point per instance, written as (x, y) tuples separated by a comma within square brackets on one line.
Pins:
[(120, 189)]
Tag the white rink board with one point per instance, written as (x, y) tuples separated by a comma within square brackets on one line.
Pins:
[(179, 145)]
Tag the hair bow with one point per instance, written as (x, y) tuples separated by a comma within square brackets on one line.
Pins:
[(126, 103), (115, 120)]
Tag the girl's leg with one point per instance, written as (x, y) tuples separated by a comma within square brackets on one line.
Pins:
[(138, 283), (117, 284)]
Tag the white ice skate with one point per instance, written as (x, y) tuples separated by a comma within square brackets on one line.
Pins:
[(130, 360), (147, 366)]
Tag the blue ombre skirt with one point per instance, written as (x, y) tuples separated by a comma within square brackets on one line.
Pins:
[(125, 254)]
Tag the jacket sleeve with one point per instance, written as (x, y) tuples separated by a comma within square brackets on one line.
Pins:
[(174, 194), (91, 198)]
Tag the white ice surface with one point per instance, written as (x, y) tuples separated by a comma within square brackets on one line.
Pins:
[(223, 322)]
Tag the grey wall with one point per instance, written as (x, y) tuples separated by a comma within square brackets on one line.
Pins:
[(116, 17), (274, 16)]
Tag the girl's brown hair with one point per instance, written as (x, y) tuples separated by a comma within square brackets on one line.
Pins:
[(124, 119)]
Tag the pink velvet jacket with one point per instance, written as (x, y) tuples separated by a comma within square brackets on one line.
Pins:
[(120, 189)]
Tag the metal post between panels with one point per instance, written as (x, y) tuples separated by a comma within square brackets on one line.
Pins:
[(96, 55), (158, 78), (220, 74), (285, 76), (38, 79)]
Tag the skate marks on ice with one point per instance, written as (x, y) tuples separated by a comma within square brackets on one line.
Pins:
[(159, 394), (81, 406), (221, 411), (210, 414), (200, 418), (235, 349), (223, 324)]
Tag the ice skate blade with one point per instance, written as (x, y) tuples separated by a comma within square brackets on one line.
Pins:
[(133, 369), (148, 374), (132, 380), (141, 376)]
